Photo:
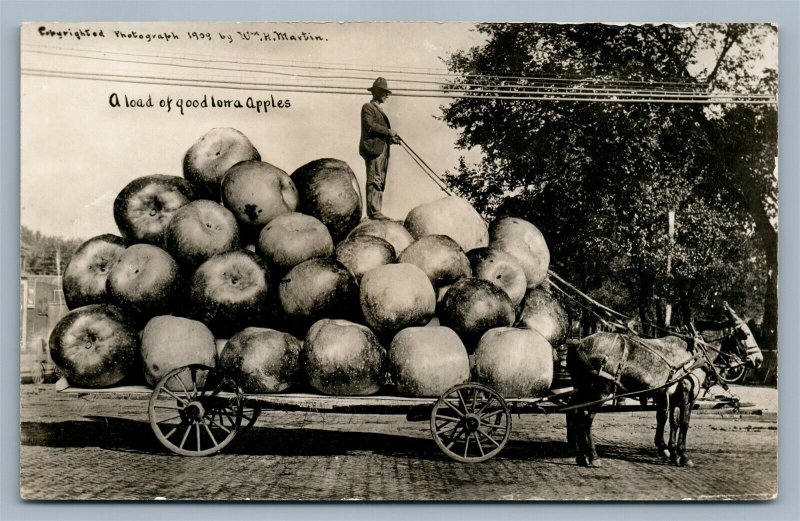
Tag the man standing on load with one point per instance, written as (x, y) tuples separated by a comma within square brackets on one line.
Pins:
[(376, 138)]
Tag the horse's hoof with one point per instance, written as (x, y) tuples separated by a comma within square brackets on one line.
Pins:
[(582, 461), (685, 462), (595, 464), (664, 453)]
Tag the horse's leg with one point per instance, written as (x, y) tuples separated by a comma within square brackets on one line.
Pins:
[(580, 429), (685, 406), (593, 460), (661, 401), (583, 438), (673, 399), (572, 440)]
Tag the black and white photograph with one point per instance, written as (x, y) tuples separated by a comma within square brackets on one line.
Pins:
[(398, 261)]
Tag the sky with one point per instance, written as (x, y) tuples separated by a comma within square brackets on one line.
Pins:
[(78, 152)]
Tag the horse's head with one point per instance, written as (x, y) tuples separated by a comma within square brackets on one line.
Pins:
[(744, 338)]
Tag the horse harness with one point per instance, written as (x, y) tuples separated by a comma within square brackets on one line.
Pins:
[(698, 360)]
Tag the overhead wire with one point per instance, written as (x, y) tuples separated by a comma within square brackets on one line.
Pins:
[(533, 87), (591, 92), (345, 89), (361, 68)]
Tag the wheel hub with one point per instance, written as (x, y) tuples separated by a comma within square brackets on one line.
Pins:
[(472, 422), (194, 411)]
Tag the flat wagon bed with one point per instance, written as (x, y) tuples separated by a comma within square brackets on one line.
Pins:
[(195, 411)]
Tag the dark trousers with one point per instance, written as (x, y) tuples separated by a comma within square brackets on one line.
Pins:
[(376, 181)]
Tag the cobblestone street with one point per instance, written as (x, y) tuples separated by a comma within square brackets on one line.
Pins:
[(102, 447)]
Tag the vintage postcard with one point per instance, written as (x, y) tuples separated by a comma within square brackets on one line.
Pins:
[(398, 261)]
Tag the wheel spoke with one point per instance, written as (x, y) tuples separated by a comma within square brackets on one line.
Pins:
[(209, 432), (488, 437), (170, 418), (173, 407), (185, 435), (478, 441), (449, 430), (455, 438), (466, 446), (451, 406), (461, 400), (197, 428), (170, 433), (489, 400), (446, 419), (233, 423), (493, 426), (181, 400), (186, 391), (490, 414), (219, 424)]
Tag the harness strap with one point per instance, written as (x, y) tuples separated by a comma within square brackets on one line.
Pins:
[(622, 361)]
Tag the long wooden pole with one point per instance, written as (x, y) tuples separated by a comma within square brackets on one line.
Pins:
[(671, 236)]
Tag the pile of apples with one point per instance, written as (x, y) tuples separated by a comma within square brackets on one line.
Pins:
[(276, 280)]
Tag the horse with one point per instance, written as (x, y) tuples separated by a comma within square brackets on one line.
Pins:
[(672, 370)]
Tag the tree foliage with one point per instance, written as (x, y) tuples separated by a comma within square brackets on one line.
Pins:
[(39, 252), (599, 178)]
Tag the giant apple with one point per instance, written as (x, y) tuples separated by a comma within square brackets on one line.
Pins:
[(343, 358), (257, 192), (501, 269), (143, 209), (451, 216), (211, 156), (200, 230), (473, 306), (145, 279), (262, 360), (427, 361), (86, 273), (230, 291), (95, 346), (543, 313), (523, 241), (440, 257), (363, 253), (396, 296), (329, 191), (316, 289), (293, 238), (517, 363), (392, 232), (171, 342)]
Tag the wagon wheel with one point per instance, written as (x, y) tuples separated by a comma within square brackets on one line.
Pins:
[(732, 374), (471, 423), (38, 374), (195, 410), (250, 413)]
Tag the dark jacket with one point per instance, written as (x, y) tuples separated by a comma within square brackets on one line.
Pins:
[(374, 131)]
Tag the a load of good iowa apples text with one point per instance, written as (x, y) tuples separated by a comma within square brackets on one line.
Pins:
[(181, 105)]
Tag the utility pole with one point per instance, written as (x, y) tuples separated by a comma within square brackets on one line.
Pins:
[(670, 236)]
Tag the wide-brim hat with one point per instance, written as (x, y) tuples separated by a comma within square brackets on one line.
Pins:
[(380, 85)]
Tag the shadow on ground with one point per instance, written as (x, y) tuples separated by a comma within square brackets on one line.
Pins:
[(126, 435)]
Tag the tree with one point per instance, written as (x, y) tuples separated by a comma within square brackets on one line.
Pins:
[(39, 252), (599, 178)]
